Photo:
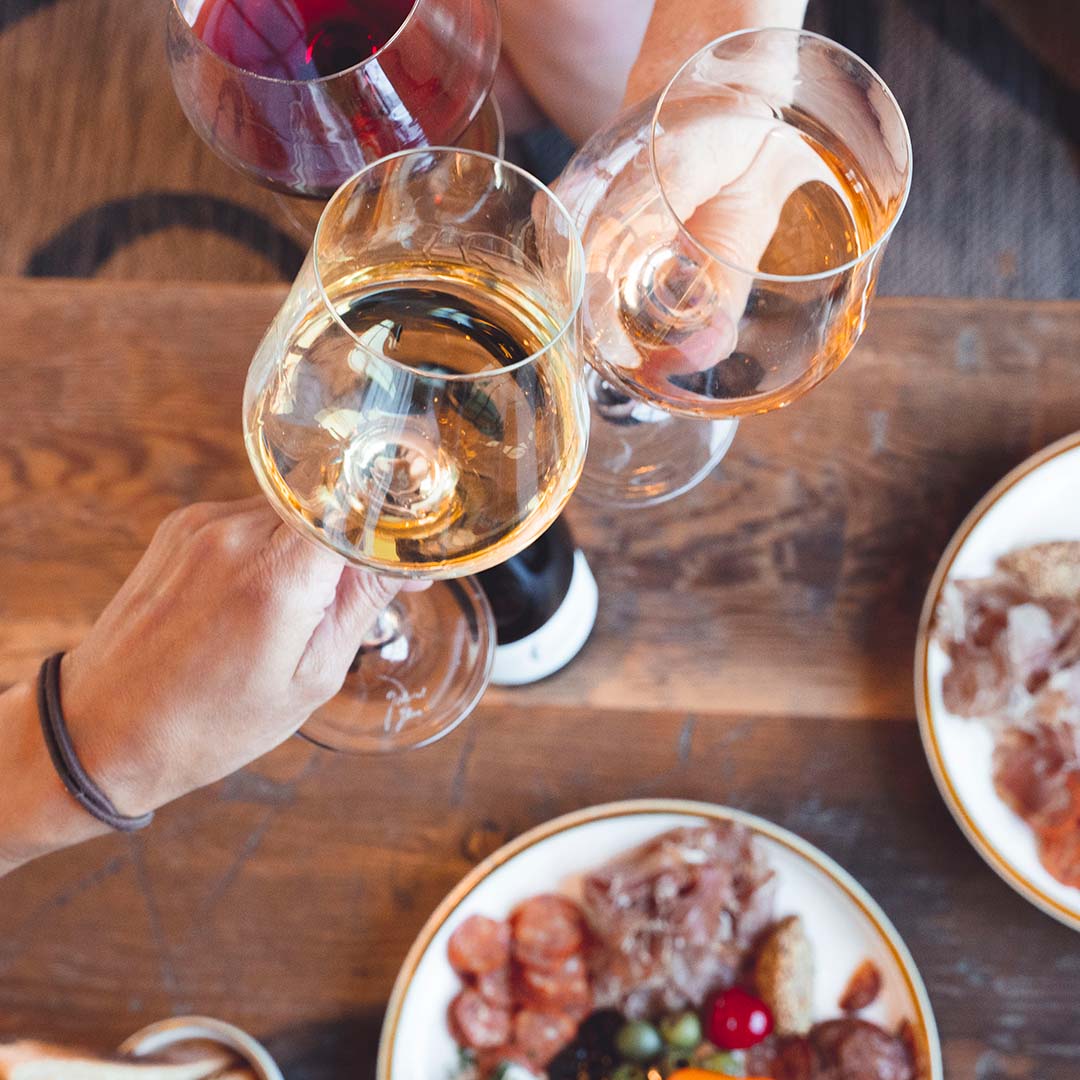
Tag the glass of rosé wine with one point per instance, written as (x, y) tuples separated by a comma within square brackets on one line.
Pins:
[(734, 227), (418, 406)]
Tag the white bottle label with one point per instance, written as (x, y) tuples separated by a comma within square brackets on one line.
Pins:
[(559, 640)]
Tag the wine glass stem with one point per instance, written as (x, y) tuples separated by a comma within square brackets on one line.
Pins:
[(613, 404), (388, 626)]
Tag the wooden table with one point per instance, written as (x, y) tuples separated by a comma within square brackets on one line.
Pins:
[(754, 648)]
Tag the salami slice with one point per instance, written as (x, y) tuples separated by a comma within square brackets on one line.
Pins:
[(488, 1061), (564, 987), (496, 988), (547, 929), (479, 945), (478, 1024), (541, 1035)]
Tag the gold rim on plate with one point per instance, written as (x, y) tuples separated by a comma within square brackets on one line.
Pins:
[(926, 1028), (997, 861)]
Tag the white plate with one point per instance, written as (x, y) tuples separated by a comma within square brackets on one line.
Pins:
[(843, 922), (1039, 500)]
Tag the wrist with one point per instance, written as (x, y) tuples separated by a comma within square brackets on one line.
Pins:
[(105, 738), (37, 815)]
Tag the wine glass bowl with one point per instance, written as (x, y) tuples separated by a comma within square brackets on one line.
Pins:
[(733, 228), (300, 94), (417, 405)]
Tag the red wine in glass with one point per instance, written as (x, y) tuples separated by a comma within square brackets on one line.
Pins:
[(299, 39), (301, 94)]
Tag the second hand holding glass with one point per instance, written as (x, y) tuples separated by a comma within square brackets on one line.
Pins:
[(733, 230), (417, 405)]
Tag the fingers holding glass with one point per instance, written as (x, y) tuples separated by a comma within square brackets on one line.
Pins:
[(733, 229)]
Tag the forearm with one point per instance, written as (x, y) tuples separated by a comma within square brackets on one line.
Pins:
[(36, 814), (677, 30)]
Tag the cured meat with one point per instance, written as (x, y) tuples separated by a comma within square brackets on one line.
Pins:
[(1013, 640), (972, 626), (541, 1035), (846, 1049), (546, 930), (564, 987), (478, 1024), (488, 1062), (859, 1050), (1046, 570), (1034, 636), (526, 983), (1037, 773), (479, 945), (673, 918), (495, 987), (1004, 645), (1059, 842), (1032, 768)]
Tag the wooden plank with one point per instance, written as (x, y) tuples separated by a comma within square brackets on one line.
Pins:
[(787, 584), (90, 121), (744, 630), (285, 898)]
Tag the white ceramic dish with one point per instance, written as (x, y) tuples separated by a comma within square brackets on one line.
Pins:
[(1037, 501), (180, 1029), (844, 924)]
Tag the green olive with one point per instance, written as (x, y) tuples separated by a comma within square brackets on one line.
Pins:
[(723, 1062), (638, 1041), (682, 1030), (626, 1071)]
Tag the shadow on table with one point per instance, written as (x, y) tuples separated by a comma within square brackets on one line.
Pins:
[(330, 1049)]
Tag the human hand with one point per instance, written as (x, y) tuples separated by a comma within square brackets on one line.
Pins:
[(567, 60), (695, 229), (578, 61), (229, 632)]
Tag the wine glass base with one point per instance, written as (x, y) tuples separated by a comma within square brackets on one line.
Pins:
[(416, 685), (640, 455)]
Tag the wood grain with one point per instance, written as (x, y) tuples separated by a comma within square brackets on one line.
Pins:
[(88, 116), (787, 584), (754, 648)]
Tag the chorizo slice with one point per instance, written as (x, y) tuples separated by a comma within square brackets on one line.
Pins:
[(541, 1035), (478, 1024), (546, 930), (479, 945)]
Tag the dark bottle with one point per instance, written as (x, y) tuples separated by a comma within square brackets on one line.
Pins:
[(544, 600)]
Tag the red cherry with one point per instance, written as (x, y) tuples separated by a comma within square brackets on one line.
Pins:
[(736, 1020)]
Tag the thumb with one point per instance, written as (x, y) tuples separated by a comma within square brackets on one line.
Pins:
[(737, 222)]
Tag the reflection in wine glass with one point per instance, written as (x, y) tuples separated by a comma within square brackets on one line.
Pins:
[(733, 228), (300, 94), (417, 405)]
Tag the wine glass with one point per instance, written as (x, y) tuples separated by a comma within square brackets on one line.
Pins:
[(300, 94), (733, 228), (417, 405)]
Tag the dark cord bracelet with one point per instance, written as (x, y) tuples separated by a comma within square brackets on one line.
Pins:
[(75, 778)]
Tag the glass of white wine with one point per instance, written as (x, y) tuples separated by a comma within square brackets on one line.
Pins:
[(733, 228), (418, 406)]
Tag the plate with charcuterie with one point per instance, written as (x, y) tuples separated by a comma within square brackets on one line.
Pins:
[(658, 940), (997, 678)]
